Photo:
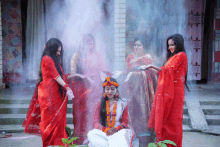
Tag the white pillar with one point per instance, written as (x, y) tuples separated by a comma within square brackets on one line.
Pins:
[(119, 34)]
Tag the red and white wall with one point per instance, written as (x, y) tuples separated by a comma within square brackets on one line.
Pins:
[(216, 49)]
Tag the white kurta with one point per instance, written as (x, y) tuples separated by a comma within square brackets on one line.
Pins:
[(122, 138)]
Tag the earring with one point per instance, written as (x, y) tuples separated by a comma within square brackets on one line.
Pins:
[(104, 95), (116, 95)]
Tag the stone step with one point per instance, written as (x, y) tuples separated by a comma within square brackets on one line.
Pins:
[(185, 110), (18, 128), (213, 129), (17, 119), (187, 128), (19, 101), (21, 108), (9, 113), (27, 99), (186, 119), (210, 102), (213, 119), (211, 109)]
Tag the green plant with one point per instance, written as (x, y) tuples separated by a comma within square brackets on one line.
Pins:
[(161, 143), (68, 141)]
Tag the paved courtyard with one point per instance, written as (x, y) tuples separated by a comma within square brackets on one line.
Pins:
[(190, 139)]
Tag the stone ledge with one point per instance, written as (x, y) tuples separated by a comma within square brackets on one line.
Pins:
[(2, 86)]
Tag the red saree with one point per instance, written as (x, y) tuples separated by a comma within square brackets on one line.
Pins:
[(144, 61), (140, 88), (86, 94), (167, 110), (47, 111), (80, 111)]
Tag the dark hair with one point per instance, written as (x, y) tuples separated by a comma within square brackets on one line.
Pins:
[(180, 37), (179, 44), (87, 37), (103, 105), (143, 41), (50, 50)]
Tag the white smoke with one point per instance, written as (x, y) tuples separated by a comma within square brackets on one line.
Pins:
[(70, 20)]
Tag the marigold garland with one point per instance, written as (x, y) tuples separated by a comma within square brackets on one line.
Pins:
[(110, 83), (106, 130), (110, 125), (107, 78)]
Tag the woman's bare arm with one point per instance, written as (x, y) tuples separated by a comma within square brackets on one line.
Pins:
[(60, 81)]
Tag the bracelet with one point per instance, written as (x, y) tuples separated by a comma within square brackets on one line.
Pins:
[(106, 130), (66, 87), (103, 129), (118, 128)]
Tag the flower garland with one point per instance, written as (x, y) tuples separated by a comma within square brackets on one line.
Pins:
[(109, 123), (109, 83)]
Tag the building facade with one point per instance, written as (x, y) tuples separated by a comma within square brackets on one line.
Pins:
[(204, 61)]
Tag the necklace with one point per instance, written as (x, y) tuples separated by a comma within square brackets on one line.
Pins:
[(111, 124)]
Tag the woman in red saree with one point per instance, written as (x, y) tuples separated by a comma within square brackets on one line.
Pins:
[(140, 56), (47, 111), (86, 65), (141, 88), (167, 110)]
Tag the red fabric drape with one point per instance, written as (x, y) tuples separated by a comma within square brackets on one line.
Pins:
[(140, 88), (47, 111), (167, 110), (86, 95), (33, 117), (80, 110)]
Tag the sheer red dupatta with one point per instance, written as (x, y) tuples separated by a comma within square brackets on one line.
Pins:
[(33, 117), (163, 101), (49, 133)]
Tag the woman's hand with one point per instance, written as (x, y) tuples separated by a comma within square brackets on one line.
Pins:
[(144, 67), (111, 131), (70, 94)]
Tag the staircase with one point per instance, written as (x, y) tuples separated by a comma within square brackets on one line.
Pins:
[(209, 100), (13, 109), (211, 110)]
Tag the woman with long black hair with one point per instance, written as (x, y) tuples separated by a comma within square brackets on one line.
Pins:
[(167, 111), (110, 119), (47, 111)]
